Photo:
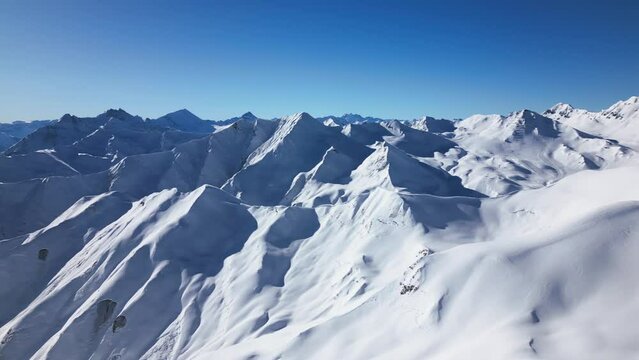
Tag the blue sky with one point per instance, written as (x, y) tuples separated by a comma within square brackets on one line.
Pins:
[(381, 58)]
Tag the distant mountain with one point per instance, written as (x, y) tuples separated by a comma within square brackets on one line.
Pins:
[(350, 119), (425, 123), (11, 133), (74, 145), (246, 116), (183, 120)]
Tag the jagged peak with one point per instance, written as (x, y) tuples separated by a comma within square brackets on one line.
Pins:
[(67, 117), (116, 113)]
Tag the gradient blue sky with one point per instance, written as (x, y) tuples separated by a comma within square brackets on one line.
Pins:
[(382, 58)]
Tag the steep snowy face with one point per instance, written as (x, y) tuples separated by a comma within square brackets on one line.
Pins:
[(298, 144), (387, 167), (302, 239), (619, 122), (390, 168)]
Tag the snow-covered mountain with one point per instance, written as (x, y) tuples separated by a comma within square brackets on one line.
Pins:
[(619, 122), (496, 237), (502, 154), (425, 123), (73, 145)]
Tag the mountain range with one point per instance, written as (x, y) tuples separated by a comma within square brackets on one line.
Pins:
[(491, 237)]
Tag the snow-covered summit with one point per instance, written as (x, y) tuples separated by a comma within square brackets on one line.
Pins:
[(560, 109), (619, 122)]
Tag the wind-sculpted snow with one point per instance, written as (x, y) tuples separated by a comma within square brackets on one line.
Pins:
[(304, 238)]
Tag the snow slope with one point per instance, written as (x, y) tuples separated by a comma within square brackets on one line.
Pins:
[(297, 239), (525, 150), (619, 122)]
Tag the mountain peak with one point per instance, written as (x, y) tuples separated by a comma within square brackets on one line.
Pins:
[(248, 116), (561, 109), (181, 116), (526, 113), (623, 109), (67, 117), (352, 117), (183, 112), (299, 117), (182, 120), (527, 121), (116, 113)]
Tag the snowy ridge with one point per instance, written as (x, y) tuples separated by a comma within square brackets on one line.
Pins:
[(503, 154), (619, 122), (87, 145), (301, 238)]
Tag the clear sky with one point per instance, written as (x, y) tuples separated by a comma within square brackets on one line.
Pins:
[(382, 58)]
